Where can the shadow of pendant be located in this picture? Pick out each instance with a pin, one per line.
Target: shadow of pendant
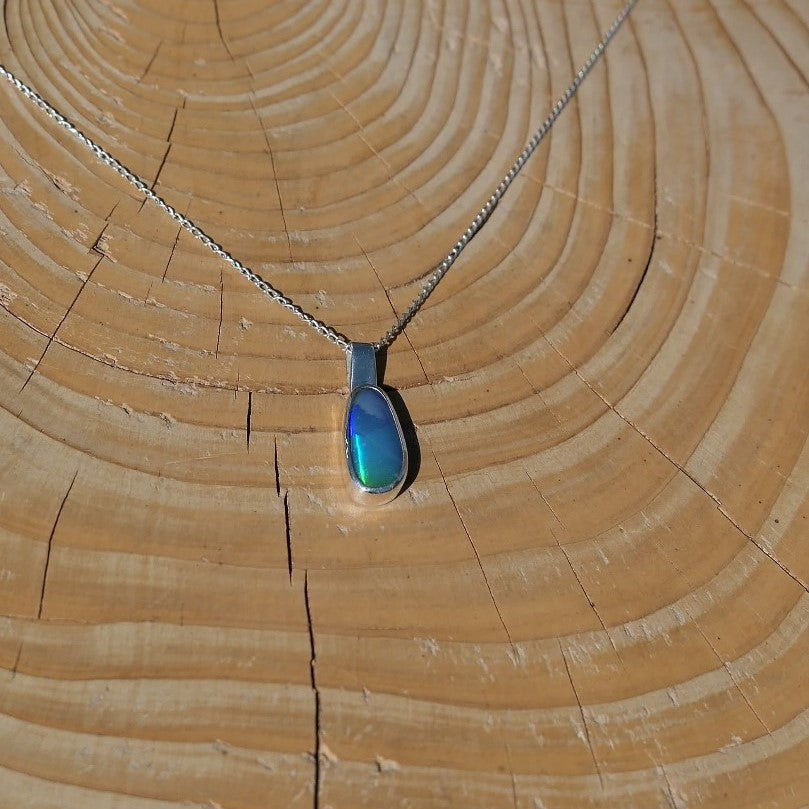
(379, 438)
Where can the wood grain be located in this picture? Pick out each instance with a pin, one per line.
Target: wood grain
(594, 591)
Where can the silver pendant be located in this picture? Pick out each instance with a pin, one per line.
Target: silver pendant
(375, 449)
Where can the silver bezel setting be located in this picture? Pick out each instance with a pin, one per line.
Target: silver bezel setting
(361, 362)
(363, 494)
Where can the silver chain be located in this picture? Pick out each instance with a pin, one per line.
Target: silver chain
(486, 211)
(438, 272)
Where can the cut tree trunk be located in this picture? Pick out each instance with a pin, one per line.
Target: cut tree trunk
(592, 591)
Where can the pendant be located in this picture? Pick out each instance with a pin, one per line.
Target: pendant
(375, 449)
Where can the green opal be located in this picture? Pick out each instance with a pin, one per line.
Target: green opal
(374, 444)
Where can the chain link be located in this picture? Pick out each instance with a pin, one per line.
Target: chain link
(105, 157)
(486, 211)
(268, 289)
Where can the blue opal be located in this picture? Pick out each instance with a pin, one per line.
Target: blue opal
(376, 452)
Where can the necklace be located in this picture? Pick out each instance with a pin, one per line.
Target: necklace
(375, 448)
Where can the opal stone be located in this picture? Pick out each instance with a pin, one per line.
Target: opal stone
(373, 440)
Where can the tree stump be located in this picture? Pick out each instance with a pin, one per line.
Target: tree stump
(592, 592)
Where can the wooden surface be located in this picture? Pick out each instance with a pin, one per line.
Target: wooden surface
(593, 594)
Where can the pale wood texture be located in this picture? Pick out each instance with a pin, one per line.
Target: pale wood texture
(593, 594)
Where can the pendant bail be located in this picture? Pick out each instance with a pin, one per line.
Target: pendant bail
(361, 364)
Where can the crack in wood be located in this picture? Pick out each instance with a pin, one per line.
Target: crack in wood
(668, 792)
(581, 712)
(168, 141)
(675, 237)
(160, 167)
(151, 61)
(288, 531)
(766, 553)
(221, 310)
(392, 176)
(249, 416)
(201, 383)
(722, 510)
(378, 279)
(162, 164)
(393, 309)
(174, 122)
(573, 569)
(95, 246)
(15, 667)
(50, 545)
(219, 29)
(275, 464)
(652, 246)
(724, 665)
(104, 361)
(52, 337)
(315, 689)
(171, 255)
(479, 561)
(275, 178)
